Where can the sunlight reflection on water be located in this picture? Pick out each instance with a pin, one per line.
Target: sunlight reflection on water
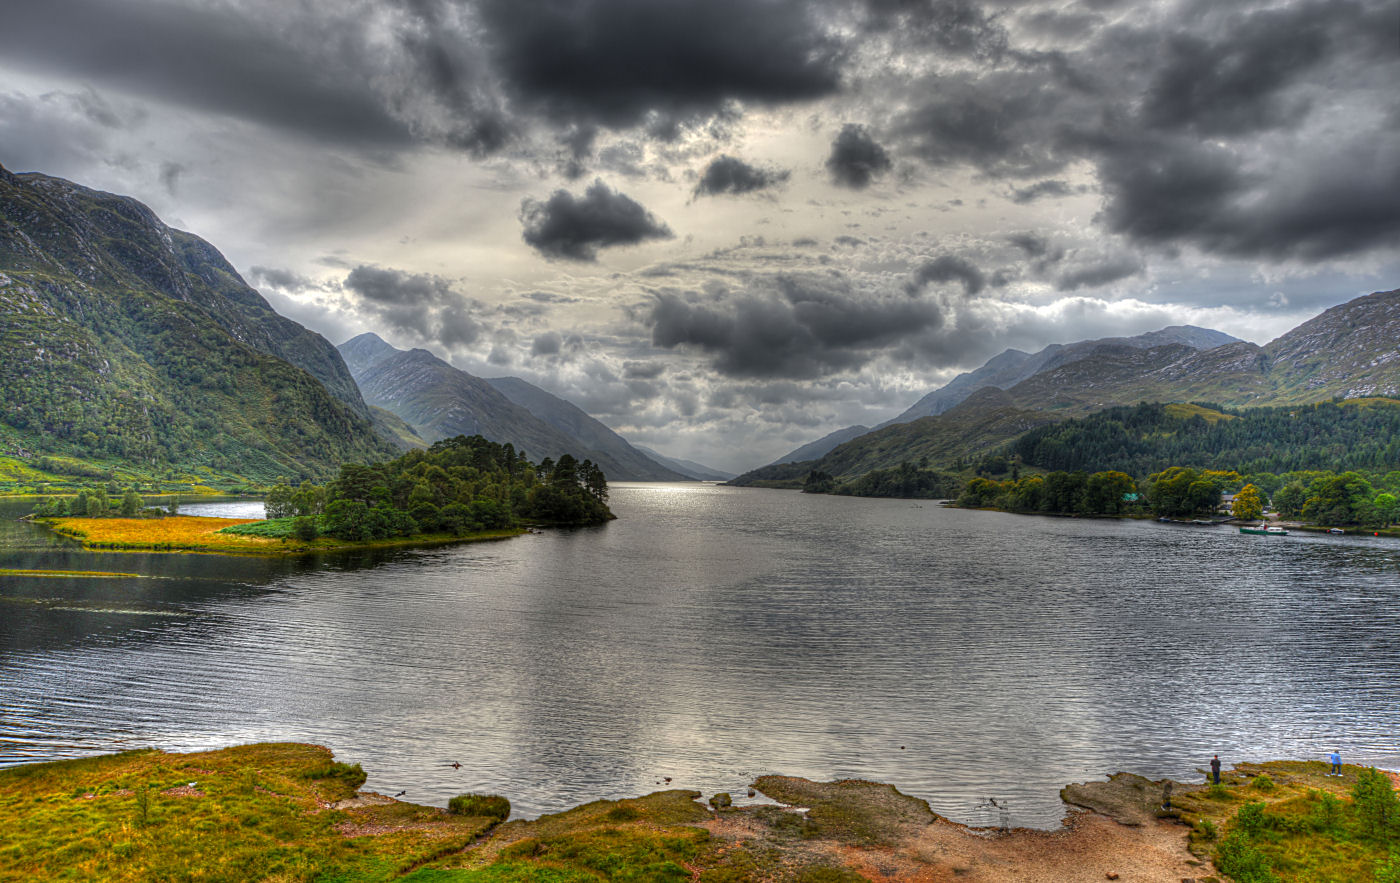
(715, 634)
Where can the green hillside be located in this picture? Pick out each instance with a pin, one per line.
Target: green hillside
(129, 344)
(1360, 434)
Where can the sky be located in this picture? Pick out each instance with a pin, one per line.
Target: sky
(728, 227)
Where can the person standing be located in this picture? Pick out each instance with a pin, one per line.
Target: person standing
(1215, 769)
(1336, 759)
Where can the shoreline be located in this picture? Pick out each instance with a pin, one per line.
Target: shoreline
(131, 815)
(196, 534)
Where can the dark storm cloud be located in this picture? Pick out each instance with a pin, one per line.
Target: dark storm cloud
(1033, 245)
(1177, 192)
(566, 226)
(789, 327)
(201, 58)
(725, 174)
(856, 158)
(956, 27)
(948, 268)
(642, 370)
(1220, 133)
(419, 303)
(1236, 78)
(623, 63)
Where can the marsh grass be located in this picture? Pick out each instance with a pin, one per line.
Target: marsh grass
(227, 536)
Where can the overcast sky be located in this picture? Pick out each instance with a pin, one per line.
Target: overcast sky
(728, 227)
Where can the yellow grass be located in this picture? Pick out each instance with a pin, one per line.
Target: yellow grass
(69, 574)
(177, 532)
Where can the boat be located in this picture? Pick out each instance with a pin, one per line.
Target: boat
(1335, 530)
(1267, 531)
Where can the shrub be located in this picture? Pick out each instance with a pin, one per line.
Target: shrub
(491, 806)
(1217, 792)
(305, 528)
(1264, 783)
(1326, 814)
(1251, 819)
(1376, 802)
(1243, 861)
(1207, 829)
(722, 800)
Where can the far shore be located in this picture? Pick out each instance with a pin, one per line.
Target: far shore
(200, 535)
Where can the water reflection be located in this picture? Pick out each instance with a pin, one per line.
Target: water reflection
(712, 635)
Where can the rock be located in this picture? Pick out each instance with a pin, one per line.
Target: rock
(1112, 875)
(721, 800)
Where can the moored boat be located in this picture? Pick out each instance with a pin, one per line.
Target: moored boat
(1263, 530)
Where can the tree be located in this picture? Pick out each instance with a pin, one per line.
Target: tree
(1387, 508)
(1249, 503)
(1289, 499)
(131, 502)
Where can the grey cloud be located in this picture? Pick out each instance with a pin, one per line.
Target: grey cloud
(856, 159)
(206, 59)
(1235, 78)
(642, 370)
(1033, 245)
(547, 344)
(277, 277)
(949, 268)
(1040, 189)
(789, 326)
(418, 303)
(725, 174)
(957, 27)
(624, 63)
(1111, 270)
(566, 226)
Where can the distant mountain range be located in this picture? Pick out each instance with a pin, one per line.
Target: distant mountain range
(1007, 369)
(697, 471)
(126, 341)
(1349, 351)
(439, 401)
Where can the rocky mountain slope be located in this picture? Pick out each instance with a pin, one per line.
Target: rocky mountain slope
(123, 339)
(1013, 366)
(818, 448)
(1349, 351)
(440, 401)
(574, 422)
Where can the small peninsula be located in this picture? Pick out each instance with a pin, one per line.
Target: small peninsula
(292, 812)
(461, 489)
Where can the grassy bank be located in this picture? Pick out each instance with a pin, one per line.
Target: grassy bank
(189, 533)
(289, 812)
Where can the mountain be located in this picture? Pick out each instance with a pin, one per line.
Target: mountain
(440, 401)
(574, 422)
(689, 468)
(815, 450)
(1348, 351)
(1013, 366)
(125, 340)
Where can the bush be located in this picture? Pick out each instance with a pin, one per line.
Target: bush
(305, 528)
(1264, 783)
(491, 806)
(1251, 819)
(1243, 861)
(1326, 813)
(1376, 802)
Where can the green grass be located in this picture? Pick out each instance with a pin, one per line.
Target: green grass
(1287, 821)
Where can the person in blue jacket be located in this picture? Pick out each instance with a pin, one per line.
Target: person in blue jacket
(1336, 759)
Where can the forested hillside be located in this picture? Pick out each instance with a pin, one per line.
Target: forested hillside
(1361, 434)
(122, 340)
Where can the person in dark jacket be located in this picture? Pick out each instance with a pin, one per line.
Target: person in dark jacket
(1215, 769)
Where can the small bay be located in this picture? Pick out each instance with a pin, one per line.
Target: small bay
(715, 634)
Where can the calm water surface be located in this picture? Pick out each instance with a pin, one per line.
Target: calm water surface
(714, 634)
